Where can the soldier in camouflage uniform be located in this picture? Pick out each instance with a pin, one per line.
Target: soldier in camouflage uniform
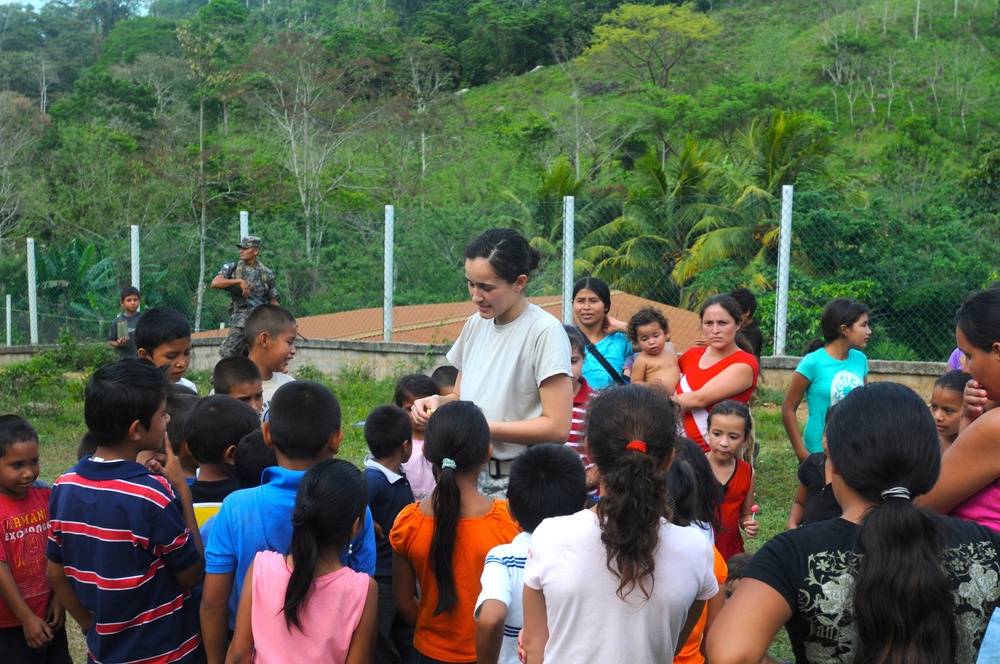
(251, 284)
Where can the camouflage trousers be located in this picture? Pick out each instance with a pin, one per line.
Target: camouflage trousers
(494, 487)
(235, 343)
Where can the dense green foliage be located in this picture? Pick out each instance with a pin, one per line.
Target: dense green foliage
(465, 115)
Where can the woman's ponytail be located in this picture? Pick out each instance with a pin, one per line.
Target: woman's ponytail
(884, 445)
(630, 435)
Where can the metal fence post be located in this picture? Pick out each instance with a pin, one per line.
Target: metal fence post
(784, 263)
(387, 273)
(135, 257)
(32, 293)
(244, 224)
(8, 319)
(568, 246)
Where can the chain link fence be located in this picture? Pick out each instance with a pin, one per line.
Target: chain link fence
(673, 253)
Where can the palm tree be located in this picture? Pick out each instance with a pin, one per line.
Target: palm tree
(636, 251)
(772, 152)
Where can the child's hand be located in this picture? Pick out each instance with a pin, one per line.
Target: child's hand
(56, 614)
(379, 535)
(791, 525)
(522, 656)
(167, 465)
(37, 632)
(974, 400)
(751, 527)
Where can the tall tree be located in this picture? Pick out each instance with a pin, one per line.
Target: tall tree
(646, 42)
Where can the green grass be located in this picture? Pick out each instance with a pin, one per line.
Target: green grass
(53, 403)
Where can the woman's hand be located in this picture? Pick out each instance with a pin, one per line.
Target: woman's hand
(422, 409)
(974, 400)
(751, 527)
(612, 325)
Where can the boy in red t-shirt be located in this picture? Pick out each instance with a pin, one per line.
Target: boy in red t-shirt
(31, 618)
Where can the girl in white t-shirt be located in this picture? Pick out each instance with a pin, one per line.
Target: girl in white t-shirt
(622, 560)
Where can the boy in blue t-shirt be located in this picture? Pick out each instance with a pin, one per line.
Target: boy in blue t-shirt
(389, 433)
(124, 550)
(304, 428)
(125, 322)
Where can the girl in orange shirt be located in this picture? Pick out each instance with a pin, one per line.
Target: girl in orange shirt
(729, 429)
(443, 542)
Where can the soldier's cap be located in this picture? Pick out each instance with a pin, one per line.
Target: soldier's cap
(249, 242)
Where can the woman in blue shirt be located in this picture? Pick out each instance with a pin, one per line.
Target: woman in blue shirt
(591, 304)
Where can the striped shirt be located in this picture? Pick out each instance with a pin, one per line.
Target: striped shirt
(578, 428)
(119, 533)
(501, 581)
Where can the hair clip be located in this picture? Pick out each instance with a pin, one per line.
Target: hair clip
(637, 445)
(896, 492)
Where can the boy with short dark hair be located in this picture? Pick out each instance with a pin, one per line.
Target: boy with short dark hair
(163, 337)
(238, 377)
(124, 549)
(445, 377)
(304, 428)
(253, 457)
(546, 481)
(179, 404)
(271, 332)
(388, 432)
(31, 618)
(213, 430)
(122, 335)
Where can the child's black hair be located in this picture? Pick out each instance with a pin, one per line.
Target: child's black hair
(746, 299)
(695, 496)
(121, 393)
(386, 429)
(15, 429)
(576, 340)
(954, 380)
(839, 312)
(458, 433)
(232, 371)
(646, 316)
(271, 318)
(737, 564)
(159, 326)
(179, 404)
(737, 409)
(332, 497)
(215, 424)
(413, 386)
(252, 457)
(302, 418)
(126, 291)
(87, 446)
(546, 481)
(444, 376)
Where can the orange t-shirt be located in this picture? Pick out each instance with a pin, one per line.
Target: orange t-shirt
(691, 652)
(450, 637)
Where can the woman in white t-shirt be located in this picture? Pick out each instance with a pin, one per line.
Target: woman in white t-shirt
(513, 358)
(618, 582)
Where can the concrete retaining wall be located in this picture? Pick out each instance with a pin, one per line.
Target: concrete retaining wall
(386, 360)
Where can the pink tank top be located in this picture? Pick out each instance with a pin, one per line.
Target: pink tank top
(982, 507)
(329, 617)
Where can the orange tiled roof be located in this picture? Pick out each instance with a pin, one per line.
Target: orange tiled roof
(441, 323)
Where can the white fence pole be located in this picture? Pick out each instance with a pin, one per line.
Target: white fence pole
(8, 320)
(387, 272)
(568, 244)
(135, 258)
(784, 262)
(244, 224)
(32, 293)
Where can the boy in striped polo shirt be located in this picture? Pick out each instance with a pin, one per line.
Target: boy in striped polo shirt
(124, 550)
